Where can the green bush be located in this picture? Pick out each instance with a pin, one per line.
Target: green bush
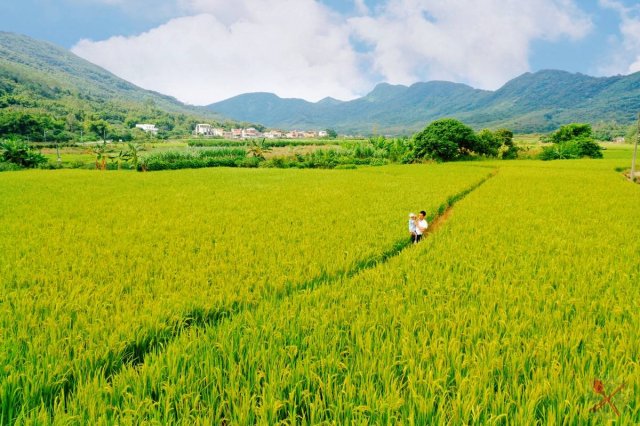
(9, 167)
(223, 152)
(563, 151)
(174, 160)
(572, 131)
(20, 154)
(589, 148)
(570, 142)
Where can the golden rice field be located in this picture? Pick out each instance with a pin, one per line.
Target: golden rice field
(241, 296)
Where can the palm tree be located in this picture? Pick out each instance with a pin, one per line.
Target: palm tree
(101, 152)
(134, 150)
(258, 149)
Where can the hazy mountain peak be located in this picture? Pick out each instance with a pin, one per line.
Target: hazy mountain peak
(329, 101)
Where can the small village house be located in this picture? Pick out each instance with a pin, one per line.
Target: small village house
(148, 128)
(273, 134)
(250, 133)
(203, 129)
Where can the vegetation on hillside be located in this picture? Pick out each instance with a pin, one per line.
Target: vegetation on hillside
(532, 103)
(49, 94)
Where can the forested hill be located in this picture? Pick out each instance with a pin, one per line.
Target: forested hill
(43, 86)
(533, 102)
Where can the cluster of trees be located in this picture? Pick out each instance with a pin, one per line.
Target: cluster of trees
(609, 130)
(16, 155)
(35, 125)
(571, 141)
(31, 110)
(448, 139)
(72, 100)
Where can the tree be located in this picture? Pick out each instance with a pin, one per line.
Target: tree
(102, 153)
(574, 140)
(132, 153)
(445, 140)
(572, 131)
(257, 149)
(100, 128)
(331, 134)
(21, 154)
(507, 147)
(488, 142)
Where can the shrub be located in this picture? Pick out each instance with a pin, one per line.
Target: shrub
(589, 148)
(9, 167)
(572, 131)
(21, 154)
(173, 160)
(563, 151)
(572, 141)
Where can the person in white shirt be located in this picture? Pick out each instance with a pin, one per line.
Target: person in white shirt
(421, 225)
(412, 227)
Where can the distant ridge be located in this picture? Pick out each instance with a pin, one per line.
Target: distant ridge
(38, 77)
(533, 102)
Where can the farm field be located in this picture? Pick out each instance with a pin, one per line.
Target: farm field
(254, 296)
(81, 155)
(97, 268)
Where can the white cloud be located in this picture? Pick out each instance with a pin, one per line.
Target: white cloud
(481, 42)
(300, 48)
(296, 48)
(625, 57)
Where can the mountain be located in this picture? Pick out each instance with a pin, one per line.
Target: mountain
(48, 86)
(533, 102)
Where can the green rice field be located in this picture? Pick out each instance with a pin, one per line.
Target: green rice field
(285, 296)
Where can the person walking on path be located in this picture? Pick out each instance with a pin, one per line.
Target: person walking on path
(421, 225)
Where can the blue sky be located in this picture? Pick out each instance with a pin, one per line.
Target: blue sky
(339, 48)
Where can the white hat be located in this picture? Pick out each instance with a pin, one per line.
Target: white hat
(412, 215)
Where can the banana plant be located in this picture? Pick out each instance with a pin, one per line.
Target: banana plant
(258, 149)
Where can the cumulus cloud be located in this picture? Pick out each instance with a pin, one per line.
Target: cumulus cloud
(481, 42)
(301, 48)
(625, 58)
(296, 48)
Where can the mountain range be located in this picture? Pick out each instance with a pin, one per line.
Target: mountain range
(533, 102)
(41, 82)
(37, 77)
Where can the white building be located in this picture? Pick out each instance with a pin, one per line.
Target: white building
(273, 134)
(250, 133)
(294, 134)
(203, 129)
(149, 128)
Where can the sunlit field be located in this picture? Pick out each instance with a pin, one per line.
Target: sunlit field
(235, 296)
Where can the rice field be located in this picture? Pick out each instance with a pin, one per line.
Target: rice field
(241, 296)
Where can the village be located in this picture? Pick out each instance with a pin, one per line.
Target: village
(206, 130)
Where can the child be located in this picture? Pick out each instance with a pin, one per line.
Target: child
(413, 228)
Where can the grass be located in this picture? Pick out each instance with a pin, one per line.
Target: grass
(505, 315)
(118, 263)
(269, 296)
